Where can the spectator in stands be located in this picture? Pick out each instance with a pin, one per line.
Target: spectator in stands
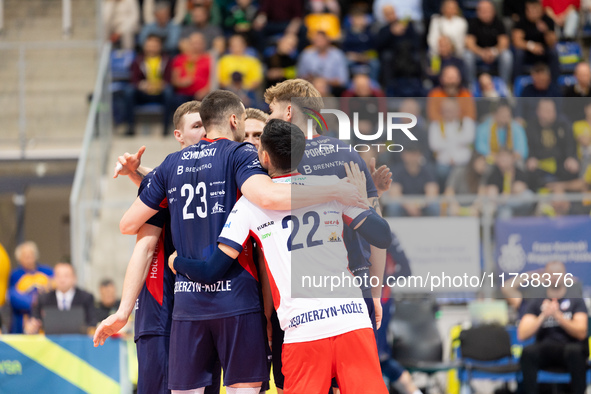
(325, 6)
(359, 45)
(489, 90)
(407, 10)
(191, 71)
(542, 86)
(413, 177)
(241, 17)
(150, 83)
(506, 179)
(565, 14)
(400, 61)
(451, 138)
(253, 127)
(559, 324)
(501, 131)
(326, 61)
(177, 8)
(450, 86)
(278, 18)
(26, 283)
(582, 88)
(514, 9)
(237, 61)
(200, 23)
(162, 27)
(121, 19)
(321, 84)
(534, 40)
(420, 130)
(552, 159)
(281, 65)
(463, 180)
(582, 134)
(449, 24)
(572, 107)
(487, 44)
(108, 300)
(446, 57)
(362, 87)
(65, 296)
(586, 12)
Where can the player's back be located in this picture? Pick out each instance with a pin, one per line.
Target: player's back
(306, 242)
(201, 184)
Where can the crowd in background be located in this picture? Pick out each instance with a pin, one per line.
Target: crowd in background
(39, 295)
(486, 67)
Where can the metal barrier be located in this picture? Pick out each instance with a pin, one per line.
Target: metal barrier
(86, 190)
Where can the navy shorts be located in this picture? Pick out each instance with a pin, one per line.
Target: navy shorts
(152, 357)
(238, 341)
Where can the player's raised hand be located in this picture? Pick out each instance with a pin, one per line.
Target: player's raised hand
(110, 326)
(128, 163)
(356, 177)
(348, 194)
(382, 177)
(171, 262)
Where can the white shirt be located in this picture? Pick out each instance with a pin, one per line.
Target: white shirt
(453, 144)
(64, 300)
(454, 28)
(305, 241)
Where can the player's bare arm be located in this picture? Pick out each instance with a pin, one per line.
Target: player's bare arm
(135, 217)
(262, 191)
(135, 276)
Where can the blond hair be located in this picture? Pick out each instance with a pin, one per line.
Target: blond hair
(295, 88)
(190, 107)
(256, 114)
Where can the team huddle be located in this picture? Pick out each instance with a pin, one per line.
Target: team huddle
(223, 227)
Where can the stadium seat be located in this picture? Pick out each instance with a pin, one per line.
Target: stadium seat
(566, 80)
(520, 83)
(416, 343)
(500, 86)
(120, 61)
(569, 54)
(486, 353)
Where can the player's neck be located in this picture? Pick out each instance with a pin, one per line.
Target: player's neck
(280, 174)
(214, 134)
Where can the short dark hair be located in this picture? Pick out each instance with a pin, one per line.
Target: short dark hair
(540, 68)
(154, 36)
(284, 142)
(107, 282)
(217, 106)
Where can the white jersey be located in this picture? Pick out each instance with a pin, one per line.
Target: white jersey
(308, 239)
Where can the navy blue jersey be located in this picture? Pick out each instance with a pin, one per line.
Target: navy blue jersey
(153, 308)
(327, 156)
(201, 184)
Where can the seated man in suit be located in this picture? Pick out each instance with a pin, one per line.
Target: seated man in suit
(559, 324)
(65, 296)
